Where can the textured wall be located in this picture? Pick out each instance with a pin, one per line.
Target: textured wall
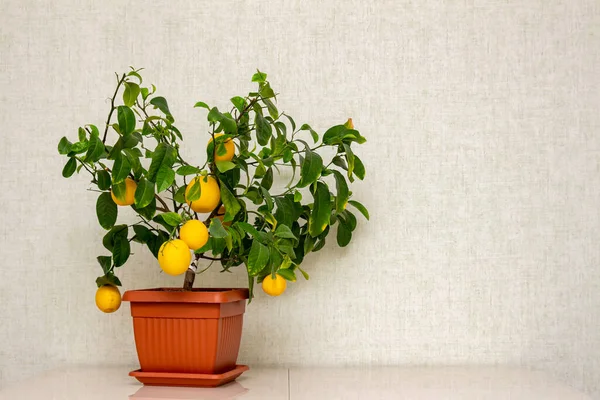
(482, 166)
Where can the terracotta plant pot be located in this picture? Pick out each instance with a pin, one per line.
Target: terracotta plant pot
(187, 338)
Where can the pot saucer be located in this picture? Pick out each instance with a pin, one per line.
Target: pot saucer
(187, 379)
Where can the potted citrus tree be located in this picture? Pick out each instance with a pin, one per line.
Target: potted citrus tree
(221, 208)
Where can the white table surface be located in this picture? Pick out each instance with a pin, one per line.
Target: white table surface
(415, 383)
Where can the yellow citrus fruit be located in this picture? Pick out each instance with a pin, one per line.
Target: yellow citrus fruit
(130, 187)
(108, 298)
(174, 257)
(210, 194)
(221, 215)
(194, 234)
(229, 147)
(274, 287)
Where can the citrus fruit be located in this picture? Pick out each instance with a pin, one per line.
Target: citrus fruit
(274, 287)
(174, 257)
(194, 234)
(221, 215)
(129, 198)
(210, 194)
(229, 149)
(108, 298)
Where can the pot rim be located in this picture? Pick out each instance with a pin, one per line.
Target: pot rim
(177, 295)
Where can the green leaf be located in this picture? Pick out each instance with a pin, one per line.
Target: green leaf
(359, 168)
(161, 104)
(315, 135)
(95, 149)
(297, 196)
(319, 245)
(202, 104)
(264, 131)
(343, 194)
(321, 212)
(105, 262)
(268, 198)
(82, 134)
(103, 180)
(259, 77)
(187, 170)
(121, 168)
(142, 234)
(311, 168)
(363, 210)
(304, 274)
(283, 231)
(171, 218)
(121, 250)
(126, 119)
(258, 258)
(69, 168)
(349, 159)
(271, 108)
(224, 166)
(292, 122)
(145, 93)
(287, 274)
(78, 147)
(206, 248)
(156, 242)
(130, 94)
(231, 203)
(164, 156)
(239, 103)
(106, 210)
(64, 146)
(344, 235)
(216, 228)
(267, 180)
(108, 240)
(349, 219)
(180, 195)
(246, 227)
(108, 279)
(266, 91)
(164, 178)
(148, 211)
(120, 190)
(195, 190)
(144, 193)
(339, 161)
(309, 243)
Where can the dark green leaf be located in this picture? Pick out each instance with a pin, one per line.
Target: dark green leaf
(334, 135)
(349, 219)
(309, 243)
(238, 102)
(180, 195)
(142, 234)
(359, 168)
(108, 279)
(344, 235)
(103, 180)
(126, 119)
(78, 147)
(148, 211)
(264, 130)
(310, 169)
(319, 217)
(202, 104)
(363, 210)
(121, 168)
(108, 240)
(287, 274)
(315, 135)
(232, 205)
(105, 262)
(246, 227)
(271, 108)
(349, 159)
(292, 122)
(206, 248)
(319, 245)
(161, 104)
(130, 94)
(106, 210)
(343, 193)
(120, 190)
(164, 178)
(144, 193)
(339, 161)
(94, 151)
(267, 180)
(268, 198)
(171, 218)
(156, 242)
(216, 228)
(64, 146)
(164, 156)
(121, 250)
(283, 231)
(69, 168)
(188, 170)
(258, 258)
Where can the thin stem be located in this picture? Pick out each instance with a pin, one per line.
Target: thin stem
(165, 206)
(112, 108)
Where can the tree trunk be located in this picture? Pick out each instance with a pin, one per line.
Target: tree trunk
(188, 282)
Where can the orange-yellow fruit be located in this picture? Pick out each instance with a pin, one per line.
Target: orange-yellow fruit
(229, 147)
(108, 298)
(194, 234)
(221, 215)
(210, 194)
(274, 287)
(130, 187)
(174, 257)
